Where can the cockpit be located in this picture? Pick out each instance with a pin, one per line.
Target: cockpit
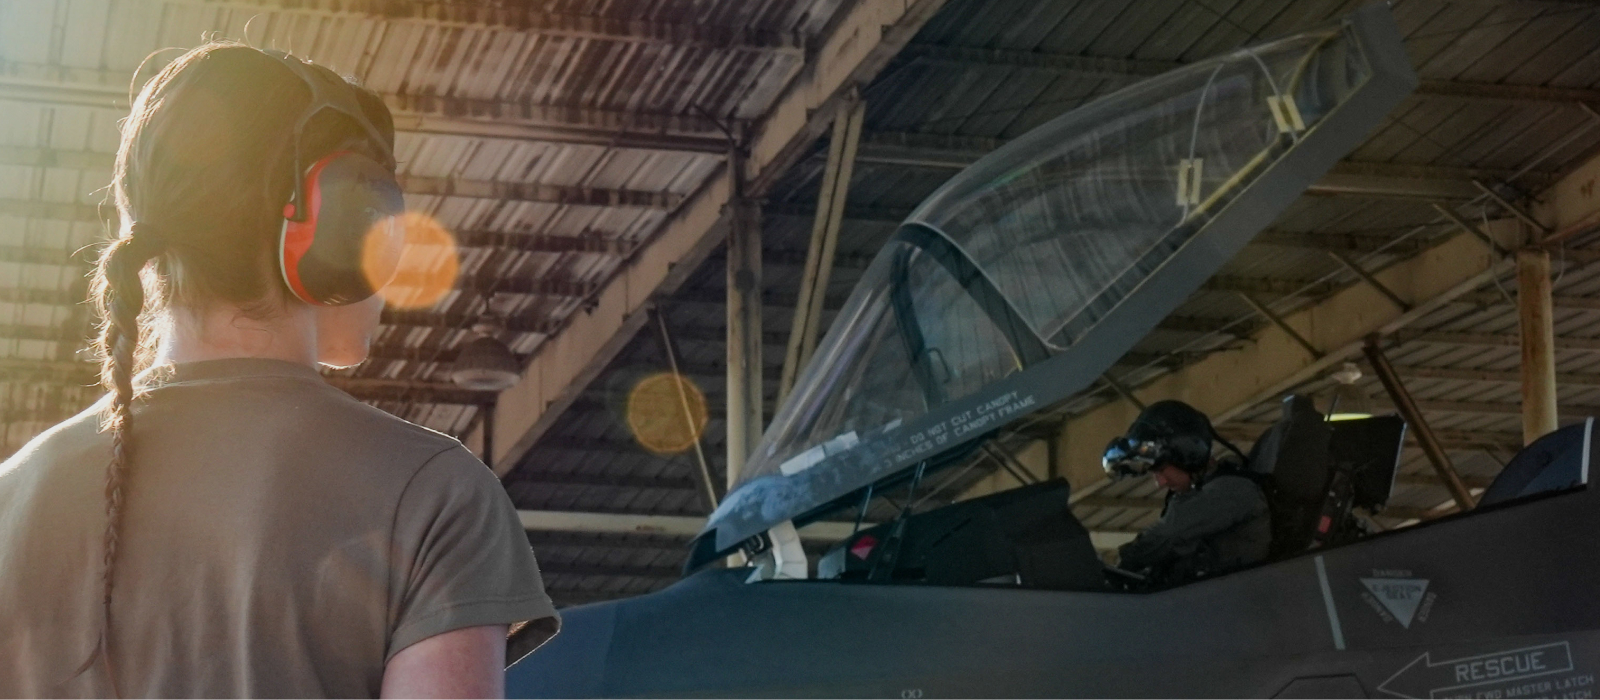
(1321, 477)
(1022, 280)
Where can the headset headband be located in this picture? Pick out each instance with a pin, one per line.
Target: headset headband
(325, 95)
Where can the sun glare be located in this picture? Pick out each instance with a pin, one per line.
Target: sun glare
(424, 269)
(657, 414)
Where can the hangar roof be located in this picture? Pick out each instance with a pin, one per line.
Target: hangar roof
(566, 148)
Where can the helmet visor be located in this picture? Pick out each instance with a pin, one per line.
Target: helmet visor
(1126, 457)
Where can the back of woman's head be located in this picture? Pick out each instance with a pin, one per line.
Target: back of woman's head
(204, 170)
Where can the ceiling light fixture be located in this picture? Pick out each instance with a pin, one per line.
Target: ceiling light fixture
(486, 363)
(1347, 401)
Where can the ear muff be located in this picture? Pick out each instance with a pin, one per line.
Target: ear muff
(341, 242)
(341, 238)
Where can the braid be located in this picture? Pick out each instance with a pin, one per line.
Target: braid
(120, 298)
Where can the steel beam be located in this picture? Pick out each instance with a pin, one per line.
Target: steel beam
(1506, 340)
(489, 283)
(835, 191)
(545, 477)
(1091, 66)
(1203, 324)
(409, 391)
(860, 42)
(854, 213)
(1462, 224)
(776, 301)
(1417, 423)
(934, 151)
(536, 192)
(1361, 272)
(412, 184)
(1497, 92)
(1353, 178)
(530, 19)
(1495, 298)
(538, 243)
(1352, 243)
(1501, 408)
(1499, 376)
(416, 113)
(579, 126)
(1267, 285)
(1245, 434)
(1375, 186)
(461, 321)
(1107, 67)
(791, 257)
(1282, 325)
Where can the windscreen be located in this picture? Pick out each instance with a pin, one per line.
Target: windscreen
(1050, 239)
(1021, 258)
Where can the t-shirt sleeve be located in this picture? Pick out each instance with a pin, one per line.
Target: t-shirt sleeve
(462, 559)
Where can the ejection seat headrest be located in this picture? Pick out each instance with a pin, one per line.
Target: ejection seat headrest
(1294, 451)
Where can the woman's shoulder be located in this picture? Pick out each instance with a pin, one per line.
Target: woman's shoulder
(64, 441)
(304, 418)
(335, 411)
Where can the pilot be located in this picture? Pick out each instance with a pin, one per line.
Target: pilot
(1215, 519)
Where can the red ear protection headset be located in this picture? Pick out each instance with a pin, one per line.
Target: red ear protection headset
(341, 235)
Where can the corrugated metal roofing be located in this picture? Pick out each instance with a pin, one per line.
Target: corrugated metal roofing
(977, 70)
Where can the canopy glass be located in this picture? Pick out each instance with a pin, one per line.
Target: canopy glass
(1026, 275)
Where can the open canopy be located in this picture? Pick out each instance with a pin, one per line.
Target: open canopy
(1028, 274)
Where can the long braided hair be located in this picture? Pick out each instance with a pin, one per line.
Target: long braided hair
(202, 172)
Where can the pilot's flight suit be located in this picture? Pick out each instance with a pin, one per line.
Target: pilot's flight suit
(1219, 525)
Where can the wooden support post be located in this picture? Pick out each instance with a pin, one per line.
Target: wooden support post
(744, 322)
(1534, 316)
(1418, 425)
(836, 176)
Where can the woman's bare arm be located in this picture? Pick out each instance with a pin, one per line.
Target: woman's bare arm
(463, 663)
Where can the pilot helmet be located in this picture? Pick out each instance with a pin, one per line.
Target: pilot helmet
(1166, 432)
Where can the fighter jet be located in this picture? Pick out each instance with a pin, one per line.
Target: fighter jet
(1013, 287)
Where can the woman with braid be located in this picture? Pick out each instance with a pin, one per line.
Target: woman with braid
(224, 523)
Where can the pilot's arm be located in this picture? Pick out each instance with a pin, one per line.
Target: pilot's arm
(1222, 503)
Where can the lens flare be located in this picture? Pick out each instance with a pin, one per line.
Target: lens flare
(657, 417)
(381, 249)
(419, 272)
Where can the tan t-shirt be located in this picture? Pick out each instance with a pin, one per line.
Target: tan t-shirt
(279, 539)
